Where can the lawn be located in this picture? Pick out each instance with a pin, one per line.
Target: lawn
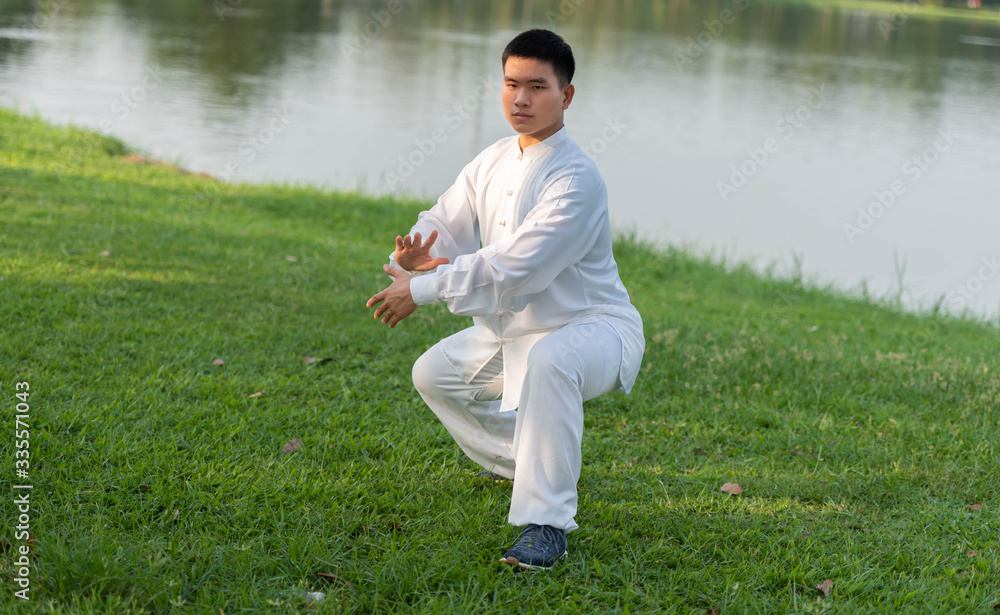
(177, 334)
(896, 12)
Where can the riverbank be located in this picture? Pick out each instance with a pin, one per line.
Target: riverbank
(904, 10)
(179, 335)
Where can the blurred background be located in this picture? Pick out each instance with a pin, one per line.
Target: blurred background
(857, 143)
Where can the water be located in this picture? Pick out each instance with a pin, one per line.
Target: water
(773, 133)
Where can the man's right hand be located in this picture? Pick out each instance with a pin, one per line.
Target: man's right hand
(416, 256)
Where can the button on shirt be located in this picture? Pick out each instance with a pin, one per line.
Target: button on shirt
(528, 240)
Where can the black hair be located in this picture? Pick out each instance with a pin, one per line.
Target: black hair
(543, 45)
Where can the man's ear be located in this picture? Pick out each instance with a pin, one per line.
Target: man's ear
(568, 91)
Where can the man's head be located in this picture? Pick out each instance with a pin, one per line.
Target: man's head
(546, 46)
(538, 70)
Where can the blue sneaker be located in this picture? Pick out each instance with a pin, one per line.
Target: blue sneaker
(537, 546)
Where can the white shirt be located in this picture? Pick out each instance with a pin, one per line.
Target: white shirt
(541, 217)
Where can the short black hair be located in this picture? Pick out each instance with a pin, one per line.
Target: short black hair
(543, 45)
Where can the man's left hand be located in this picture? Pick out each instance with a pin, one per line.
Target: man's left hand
(397, 302)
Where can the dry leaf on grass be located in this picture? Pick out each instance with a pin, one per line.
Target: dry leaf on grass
(688, 470)
(713, 611)
(138, 158)
(732, 489)
(291, 446)
(825, 587)
(257, 394)
(177, 513)
(976, 507)
(329, 576)
(218, 362)
(310, 360)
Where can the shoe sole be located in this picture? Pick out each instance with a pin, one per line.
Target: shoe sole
(514, 563)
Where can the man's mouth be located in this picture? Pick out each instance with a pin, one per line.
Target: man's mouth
(521, 115)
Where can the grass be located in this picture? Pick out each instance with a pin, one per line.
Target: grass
(901, 9)
(862, 435)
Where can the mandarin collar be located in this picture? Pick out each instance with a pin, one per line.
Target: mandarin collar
(542, 147)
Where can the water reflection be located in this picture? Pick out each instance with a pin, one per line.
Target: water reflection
(696, 88)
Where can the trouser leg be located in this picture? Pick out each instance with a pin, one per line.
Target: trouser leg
(470, 411)
(565, 368)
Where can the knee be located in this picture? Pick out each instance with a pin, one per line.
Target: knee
(425, 372)
(548, 359)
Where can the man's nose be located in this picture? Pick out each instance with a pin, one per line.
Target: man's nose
(522, 99)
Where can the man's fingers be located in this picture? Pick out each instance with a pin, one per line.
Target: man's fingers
(375, 300)
(431, 239)
(407, 241)
(431, 264)
(399, 242)
(380, 310)
(416, 241)
(392, 272)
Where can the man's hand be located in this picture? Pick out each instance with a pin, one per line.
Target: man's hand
(410, 254)
(397, 302)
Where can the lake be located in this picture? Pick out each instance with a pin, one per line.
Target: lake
(856, 147)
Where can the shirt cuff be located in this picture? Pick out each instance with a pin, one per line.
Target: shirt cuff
(423, 289)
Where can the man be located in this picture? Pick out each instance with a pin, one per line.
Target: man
(552, 322)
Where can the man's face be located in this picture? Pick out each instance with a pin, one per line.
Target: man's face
(532, 99)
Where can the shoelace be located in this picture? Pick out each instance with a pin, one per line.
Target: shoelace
(542, 538)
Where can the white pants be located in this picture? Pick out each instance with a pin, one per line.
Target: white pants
(539, 444)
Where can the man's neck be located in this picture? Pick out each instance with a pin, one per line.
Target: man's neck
(525, 141)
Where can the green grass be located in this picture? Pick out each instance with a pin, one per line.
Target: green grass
(900, 8)
(861, 435)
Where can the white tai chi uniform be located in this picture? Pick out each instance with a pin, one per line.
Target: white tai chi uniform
(552, 322)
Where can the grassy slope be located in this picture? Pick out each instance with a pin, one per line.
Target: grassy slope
(898, 9)
(861, 435)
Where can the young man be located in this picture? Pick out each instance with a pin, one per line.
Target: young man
(552, 322)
